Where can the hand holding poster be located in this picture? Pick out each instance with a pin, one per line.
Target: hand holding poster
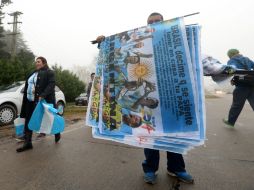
(148, 90)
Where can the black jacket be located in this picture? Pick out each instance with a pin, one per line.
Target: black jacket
(44, 88)
(89, 89)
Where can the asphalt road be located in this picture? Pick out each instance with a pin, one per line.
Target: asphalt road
(80, 162)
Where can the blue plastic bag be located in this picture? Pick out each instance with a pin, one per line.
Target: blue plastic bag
(19, 125)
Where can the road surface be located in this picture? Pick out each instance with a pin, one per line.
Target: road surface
(80, 162)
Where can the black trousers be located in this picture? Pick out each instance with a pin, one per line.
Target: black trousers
(240, 95)
(175, 161)
(30, 106)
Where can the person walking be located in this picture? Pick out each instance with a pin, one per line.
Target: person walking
(40, 85)
(244, 86)
(175, 163)
(88, 91)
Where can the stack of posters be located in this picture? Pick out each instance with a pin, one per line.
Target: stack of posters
(148, 89)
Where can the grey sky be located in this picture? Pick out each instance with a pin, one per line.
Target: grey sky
(61, 30)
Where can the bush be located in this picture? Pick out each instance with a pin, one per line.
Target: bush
(69, 83)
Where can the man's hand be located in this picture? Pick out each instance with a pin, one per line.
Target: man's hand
(41, 98)
(232, 82)
(100, 39)
(229, 70)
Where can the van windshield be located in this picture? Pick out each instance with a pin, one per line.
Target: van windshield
(11, 88)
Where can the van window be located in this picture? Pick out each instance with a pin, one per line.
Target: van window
(57, 89)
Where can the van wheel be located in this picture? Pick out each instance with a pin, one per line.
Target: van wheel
(7, 114)
(60, 108)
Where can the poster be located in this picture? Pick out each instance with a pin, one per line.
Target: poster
(148, 89)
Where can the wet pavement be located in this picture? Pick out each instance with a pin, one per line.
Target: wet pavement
(80, 162)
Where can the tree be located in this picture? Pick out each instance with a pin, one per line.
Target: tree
(21, 43)
(6, 2)
(26, 59)
(3, 54)
(17, 69)
(68, 82)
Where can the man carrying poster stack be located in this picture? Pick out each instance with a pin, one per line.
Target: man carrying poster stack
(175, 163)
(244, 86)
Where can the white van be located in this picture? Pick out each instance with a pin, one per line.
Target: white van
(11, 100)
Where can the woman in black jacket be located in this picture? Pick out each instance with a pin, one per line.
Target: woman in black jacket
(39, 85)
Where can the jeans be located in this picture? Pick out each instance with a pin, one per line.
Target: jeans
(240, 95)
(175, 161)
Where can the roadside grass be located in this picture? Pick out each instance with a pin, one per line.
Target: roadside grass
(71, 111)
(211, 96)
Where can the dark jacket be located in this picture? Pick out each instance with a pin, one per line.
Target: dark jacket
(243, 63)
(44, 88)
(89, 89)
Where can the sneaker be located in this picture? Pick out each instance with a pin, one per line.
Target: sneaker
(182, 176)
(228, 125)
(150, 178)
